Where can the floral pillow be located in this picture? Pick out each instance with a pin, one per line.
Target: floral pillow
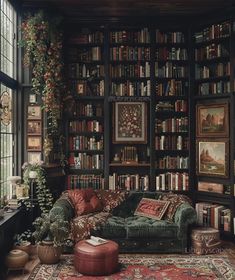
(175, 201)
(111, 198)
(85, 201)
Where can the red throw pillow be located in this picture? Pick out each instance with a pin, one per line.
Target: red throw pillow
(85, 201)
(151, 208)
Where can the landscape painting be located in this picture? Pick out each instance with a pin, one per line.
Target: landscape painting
(212, 120)
(212, 158)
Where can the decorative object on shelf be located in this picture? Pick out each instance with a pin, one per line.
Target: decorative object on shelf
(16, 259)
(47, 148)
(210, 187)
(130, 122)
(44, 52)
(212, 120)
(51, 232)
(44, 196)
(32, 98)
(212, 157)
(13, 181)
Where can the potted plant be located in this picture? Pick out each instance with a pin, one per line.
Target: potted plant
(51, 233)
(34, 172)
(23, 241)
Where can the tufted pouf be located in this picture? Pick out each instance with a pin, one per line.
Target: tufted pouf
(96, 260)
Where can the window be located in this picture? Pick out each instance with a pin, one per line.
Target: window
(7, 94)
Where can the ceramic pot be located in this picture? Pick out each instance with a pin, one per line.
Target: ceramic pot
(16, 259)
(24, 246)
(32, 174)
(47, 253)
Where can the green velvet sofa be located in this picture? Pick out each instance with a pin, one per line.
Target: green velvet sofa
(140, 234)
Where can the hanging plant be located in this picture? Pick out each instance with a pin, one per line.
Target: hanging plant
(42, 42)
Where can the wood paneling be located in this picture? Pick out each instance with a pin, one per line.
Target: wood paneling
(107, 8)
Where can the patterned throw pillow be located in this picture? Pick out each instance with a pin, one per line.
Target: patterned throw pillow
(85, 201)
(175, 201)
(111, 198)
(151, 208)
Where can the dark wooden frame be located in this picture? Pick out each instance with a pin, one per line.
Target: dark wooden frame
(226, 158)
(37, 117)
(143, 139)
(200, 107)
(40, 127)
(38, 148)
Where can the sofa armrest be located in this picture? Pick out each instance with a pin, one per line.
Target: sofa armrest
(64, 207)
(184, 216)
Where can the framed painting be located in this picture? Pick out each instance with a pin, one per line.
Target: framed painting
(34, 112)
(81, 88)
(212, 120)
(34, 127)
(130, 122)
(34, 143)
(213, 158)
(34, 157)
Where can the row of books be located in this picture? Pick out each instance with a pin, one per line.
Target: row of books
(86, 143)
(85, 55)
(129, 182)
(86, 88)
(82, 70)
(86, 161)
(211, 51)
(88, 110)
(131, 88)
(215, 31)
(171, 142)
(129, 153)
(124, 36)
(172, 125)
(87, 38)
(214, 88)
(214, 70)
(170, 70)
(85, 126)
(85, 181)
(167, 106)
(169, 162)
(128, 53)
(171, 54)
(172, 88)
(169, 37)
(213, 215)
(130, 71)
(172, 181)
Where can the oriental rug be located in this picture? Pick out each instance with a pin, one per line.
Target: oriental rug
(147, 267)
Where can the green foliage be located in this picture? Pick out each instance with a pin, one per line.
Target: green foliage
(51, 227)
(44, 196)
(22, 237)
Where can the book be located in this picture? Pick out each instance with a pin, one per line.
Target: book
(95, 241)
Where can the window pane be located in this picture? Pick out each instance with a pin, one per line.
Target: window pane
(7, 38)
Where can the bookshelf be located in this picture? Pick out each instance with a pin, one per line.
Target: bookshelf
(213, 86)
(86, 80)
(171, 141)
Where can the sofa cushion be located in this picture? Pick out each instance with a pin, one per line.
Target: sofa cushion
(114, 228)
(152, 208)
(85, 201)
(142, 227)
(175, 201)
(128, 206)
(111, 198)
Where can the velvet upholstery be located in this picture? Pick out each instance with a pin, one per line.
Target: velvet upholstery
(135, 233)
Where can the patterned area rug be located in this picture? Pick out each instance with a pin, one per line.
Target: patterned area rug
(147, 267)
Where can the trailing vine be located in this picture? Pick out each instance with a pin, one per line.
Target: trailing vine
(42, 42)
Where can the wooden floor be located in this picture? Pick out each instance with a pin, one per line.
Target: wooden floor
(228, 249)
